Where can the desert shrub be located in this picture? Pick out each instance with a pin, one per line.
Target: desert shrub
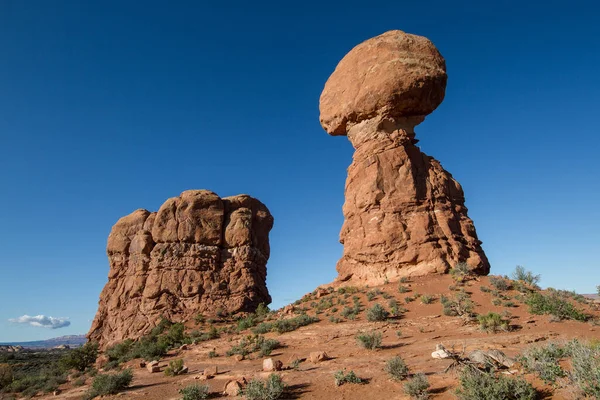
(149, 348)
(120, 352)
(396, 368)
(79, 381)
(460, 271)
(80, 358)
(492, 322)
(340, 378)
(403, 289)
(175, 367)
(254, 343)
(478, 385)
(262, 310)
(417, 387)
(522, 275)
(371, 340)
(194, 392)
(6, 375)
(459, 305)
(246, 322)
(585, 367)
(409, 299)
(484, 289)
(291, 324)
(348, 290)
(543, 361)
(105, 384)
(427, 299)
(598, 290)
(377, 313)
(553, 304)
(199, 319)
(500, 283)
(271, 389)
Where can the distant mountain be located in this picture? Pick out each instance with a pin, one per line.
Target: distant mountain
(69, 340)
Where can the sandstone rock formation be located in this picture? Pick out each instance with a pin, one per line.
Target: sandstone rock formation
(404, 214)
(198, 254)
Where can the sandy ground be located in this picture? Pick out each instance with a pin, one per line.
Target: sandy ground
(421, 328)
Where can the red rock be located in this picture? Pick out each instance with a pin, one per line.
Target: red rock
(270, 365)
(404, 214)
(318, 356)
(211, 371)
(198, 254)
(233, 387)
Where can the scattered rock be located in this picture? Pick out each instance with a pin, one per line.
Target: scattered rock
(211, 371)
(318, 356)
(404, 214)
(270, 365)
(57, 392)
(440, 352)
(233, 387)
(153, 366)
(238, 357)
(183, 347)
(198, 254)
(142, 364)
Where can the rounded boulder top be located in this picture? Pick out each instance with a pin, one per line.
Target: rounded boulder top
(395, 74)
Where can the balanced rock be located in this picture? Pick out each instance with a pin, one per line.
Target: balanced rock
(198, 254)
(404, 214)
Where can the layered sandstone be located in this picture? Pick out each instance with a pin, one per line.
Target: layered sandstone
(198, 254)
(404, 214)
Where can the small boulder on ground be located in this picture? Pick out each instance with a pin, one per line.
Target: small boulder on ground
(270, 365)
(233, 387)
(318, 356)
(211, 371)
(440, 352)
(152, 366)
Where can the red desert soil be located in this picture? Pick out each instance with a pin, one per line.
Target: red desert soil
(422, 327)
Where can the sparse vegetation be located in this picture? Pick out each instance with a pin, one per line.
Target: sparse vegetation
(105, 384)
(478, 385)
(585, 367)
(396, 368)
(194, 392)
(554, 305)
(523, 276)
(403, 289)
(80, 358)
(377, 313)
(492, 323)
(460, 272)
(341, 378)
(254, 343)
(460, 305)
(544, 361)
(6, 375)
(175, 367)
(271, 389)
(417, 387)
(285, 325)
(427, 299)
(370, 340)
(500, 283)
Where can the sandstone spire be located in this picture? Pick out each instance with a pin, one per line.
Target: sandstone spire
(404, 214)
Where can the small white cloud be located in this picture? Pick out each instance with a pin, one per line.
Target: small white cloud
(42, 321)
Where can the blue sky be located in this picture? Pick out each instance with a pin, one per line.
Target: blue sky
(106, 107)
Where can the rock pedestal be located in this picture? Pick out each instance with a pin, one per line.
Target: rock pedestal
(404, 214)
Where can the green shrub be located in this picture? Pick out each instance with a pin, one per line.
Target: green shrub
(484, 289)
(271, 389)
(478, 385)
(553, 304)
(544, 361)
(6, 375)
(120, 352)
(500, 283)
(254, 343)
(340, 378)
(105, 384)
(460, 271)
(199, 319)
(492, 322)
(262, 310)
(80, 358)
(526, 277)
(585, 367)
(598, 290)
(246, 323)
(427, 299)
(417, 387)
(371, 340)
(396, 368)
(403, 289)
(194, 392)
(377, 313)
(175, 367)
(460, 305)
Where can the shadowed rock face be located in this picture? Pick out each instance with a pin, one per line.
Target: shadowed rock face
(198, 254)
(404, 214)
